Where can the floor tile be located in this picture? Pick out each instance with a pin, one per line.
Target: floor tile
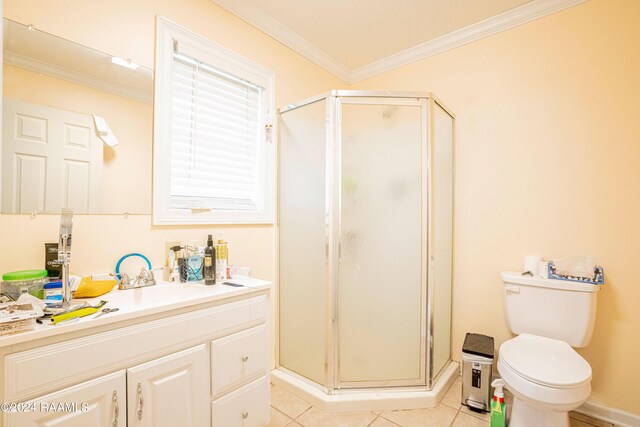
(452, 397)
(316, 418)
(294, 424)
(441, 415)
(278, 419)
(287, 403)
(382, 422)
(464, 420)
(587, 419)
(485, 416)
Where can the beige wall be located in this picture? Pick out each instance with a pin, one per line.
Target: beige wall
(546, 158)
(126, 29)
(126, 175)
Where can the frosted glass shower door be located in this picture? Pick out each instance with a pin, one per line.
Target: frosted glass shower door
(381, 291)
(302, 240)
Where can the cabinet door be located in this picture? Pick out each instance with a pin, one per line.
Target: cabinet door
(170, 391)
(97, 403)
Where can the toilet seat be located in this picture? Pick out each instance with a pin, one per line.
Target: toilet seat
(545, 361)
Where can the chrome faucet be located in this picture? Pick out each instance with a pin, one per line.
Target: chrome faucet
(145, 278)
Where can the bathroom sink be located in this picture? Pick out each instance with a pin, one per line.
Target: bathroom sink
(160, 294)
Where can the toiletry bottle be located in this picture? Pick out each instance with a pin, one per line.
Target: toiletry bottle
(209, 263)
(498, 407)
(183, 268)
(195, 263)
(222, 259)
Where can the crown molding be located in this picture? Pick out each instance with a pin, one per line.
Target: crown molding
(504, 21)
(75, 77)
(274, 28)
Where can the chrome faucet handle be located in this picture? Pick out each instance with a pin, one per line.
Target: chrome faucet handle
(151, 278)
(124, 280)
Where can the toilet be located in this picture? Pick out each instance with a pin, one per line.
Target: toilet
(539, 366)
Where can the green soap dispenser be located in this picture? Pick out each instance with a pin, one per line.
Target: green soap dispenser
(498, 407)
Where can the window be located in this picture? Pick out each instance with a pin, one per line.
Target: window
(213, 150)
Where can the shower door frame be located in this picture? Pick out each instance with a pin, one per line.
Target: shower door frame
(334, 101)
(334, 180)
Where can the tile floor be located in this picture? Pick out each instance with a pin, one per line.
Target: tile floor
(288, 410)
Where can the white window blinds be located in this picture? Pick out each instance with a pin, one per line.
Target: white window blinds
(216, 138)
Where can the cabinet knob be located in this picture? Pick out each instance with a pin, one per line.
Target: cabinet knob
(245, 415)
(245, 359)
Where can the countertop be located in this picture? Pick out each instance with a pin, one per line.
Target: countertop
(135, 303)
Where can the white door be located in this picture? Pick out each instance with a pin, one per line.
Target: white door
(170, 391)
(97, 403)
(51, 158)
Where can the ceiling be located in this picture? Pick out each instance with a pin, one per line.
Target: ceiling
(358, 38)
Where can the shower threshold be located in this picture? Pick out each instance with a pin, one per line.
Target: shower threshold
(371, 399)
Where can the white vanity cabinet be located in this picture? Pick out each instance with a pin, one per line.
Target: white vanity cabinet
(196, 366)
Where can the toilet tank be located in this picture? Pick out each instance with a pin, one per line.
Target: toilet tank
(550, 308)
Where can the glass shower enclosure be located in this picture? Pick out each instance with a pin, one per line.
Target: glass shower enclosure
(365, 225)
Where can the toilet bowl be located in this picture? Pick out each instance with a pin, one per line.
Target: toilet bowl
(547, 378)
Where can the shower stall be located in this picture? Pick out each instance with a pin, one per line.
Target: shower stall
(365, 227)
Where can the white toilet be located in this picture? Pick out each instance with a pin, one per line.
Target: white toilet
(539, 366)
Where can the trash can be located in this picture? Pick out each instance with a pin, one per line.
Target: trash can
(477, 363)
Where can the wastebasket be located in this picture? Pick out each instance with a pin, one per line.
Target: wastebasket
(477, 363)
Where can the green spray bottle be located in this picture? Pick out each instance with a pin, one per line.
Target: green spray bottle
(498, 407)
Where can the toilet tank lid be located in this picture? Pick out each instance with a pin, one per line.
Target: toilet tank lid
(513, 277)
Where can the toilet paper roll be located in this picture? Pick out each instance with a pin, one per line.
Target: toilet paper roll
(531, 264)
(543, 269)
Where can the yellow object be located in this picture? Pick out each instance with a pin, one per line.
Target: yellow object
(93, 288)
(87, 311)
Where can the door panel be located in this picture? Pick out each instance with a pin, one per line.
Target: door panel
(97, 403)
(51, 158)
(170, 391)
(381, 299)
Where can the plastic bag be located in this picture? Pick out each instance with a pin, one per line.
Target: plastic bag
(578, 265)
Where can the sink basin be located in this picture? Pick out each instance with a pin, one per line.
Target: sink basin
(161, 293)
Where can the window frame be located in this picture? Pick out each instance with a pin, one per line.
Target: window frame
(230, 62)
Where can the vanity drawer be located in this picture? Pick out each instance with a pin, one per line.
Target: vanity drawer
(238, 359)
(29, 373)
(245, 407)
